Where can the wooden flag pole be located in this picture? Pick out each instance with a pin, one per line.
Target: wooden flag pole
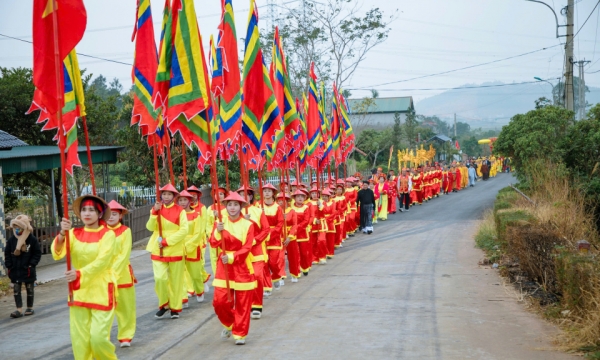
(184, 162)
(157, 190)
(89, 154)
(61, 137)
(215, 192)
(226, 163)
(170, 161)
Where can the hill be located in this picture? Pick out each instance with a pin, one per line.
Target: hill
(489, 107)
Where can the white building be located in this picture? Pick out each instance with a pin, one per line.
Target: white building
(381, 113)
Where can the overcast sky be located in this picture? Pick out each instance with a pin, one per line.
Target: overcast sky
(429, 36)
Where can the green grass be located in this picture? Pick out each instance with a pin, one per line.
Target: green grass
(4, 285)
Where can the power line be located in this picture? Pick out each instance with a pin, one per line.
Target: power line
(586, 20)
(461, 87)
(460, 69)
(80, 54)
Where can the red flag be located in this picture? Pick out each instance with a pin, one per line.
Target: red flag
(226, 63)
(313, 122)
(144, 70)
(71, 21)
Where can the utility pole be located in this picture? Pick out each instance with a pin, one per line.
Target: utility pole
(569, 98)
(581, 88)
(455, 125)
(271, 14)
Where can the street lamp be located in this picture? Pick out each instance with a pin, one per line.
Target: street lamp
(551, 86)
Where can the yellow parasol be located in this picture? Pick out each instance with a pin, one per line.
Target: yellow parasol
(484, 141)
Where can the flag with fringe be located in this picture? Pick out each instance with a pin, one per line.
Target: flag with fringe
(181, 86)
(254, 89)
(229, 97)
(144, 71)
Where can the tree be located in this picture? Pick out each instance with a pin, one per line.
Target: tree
(462, 128)
(410, 129)
(374, 143)
(360, 113)
(534, 135)
(558, 94)
(471, 147)
(335, 34)
(16, 92)
(397, 131)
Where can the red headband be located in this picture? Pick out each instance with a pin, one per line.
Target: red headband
(95, 204)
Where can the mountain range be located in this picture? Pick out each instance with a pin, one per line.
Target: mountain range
(489, 105)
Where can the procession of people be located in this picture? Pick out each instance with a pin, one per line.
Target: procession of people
(259, 238)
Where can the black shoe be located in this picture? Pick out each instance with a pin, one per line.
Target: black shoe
(369, 232)
(174, 315)
(161, 313)
(305, 273)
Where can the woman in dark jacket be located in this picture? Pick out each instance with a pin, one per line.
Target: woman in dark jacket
(22, 254)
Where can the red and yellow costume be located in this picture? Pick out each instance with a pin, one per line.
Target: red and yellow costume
(195, 275)
(258, 251)
(92, 309)
(167, 262)
(125, 310)
(416, 194)
(304, 219)
(291, 221)
(236, 241)
(341, 207)
(274, 243)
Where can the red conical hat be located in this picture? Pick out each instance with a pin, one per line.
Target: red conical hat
(299, 192)
(326, 192)
(245, 188)
(192, 189)
(115, 206)
(270, 186)
(170, 188)
(314, 189)
(186, 194)
(234, 196)
(282, 195)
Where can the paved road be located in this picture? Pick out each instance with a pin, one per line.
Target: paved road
(411, 290)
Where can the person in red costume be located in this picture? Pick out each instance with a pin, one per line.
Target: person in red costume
(232, 237)
(317, 225)
(393, 192)
(261, 232)
(288, 234)
(303, 214)
(341, 208)
(329, 213)
(404, 187)
(274, 214)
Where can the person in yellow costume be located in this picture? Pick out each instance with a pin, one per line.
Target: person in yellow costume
(166, 247)
(211, 216)
(125, 310)
(193, 276)
(92, 279)
(381, 198)
(203, 213)
(464, 175)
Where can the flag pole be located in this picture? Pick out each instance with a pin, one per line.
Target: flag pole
(89, 154)
(215, 192)
(157, 189)
(61, 137)
(170, 161)
(226, 163)
(184, 161)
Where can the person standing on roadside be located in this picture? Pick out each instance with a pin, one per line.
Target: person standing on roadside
(365, 202)
(22, 254)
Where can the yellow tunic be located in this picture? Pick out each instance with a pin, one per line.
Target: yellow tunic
(174, 234)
